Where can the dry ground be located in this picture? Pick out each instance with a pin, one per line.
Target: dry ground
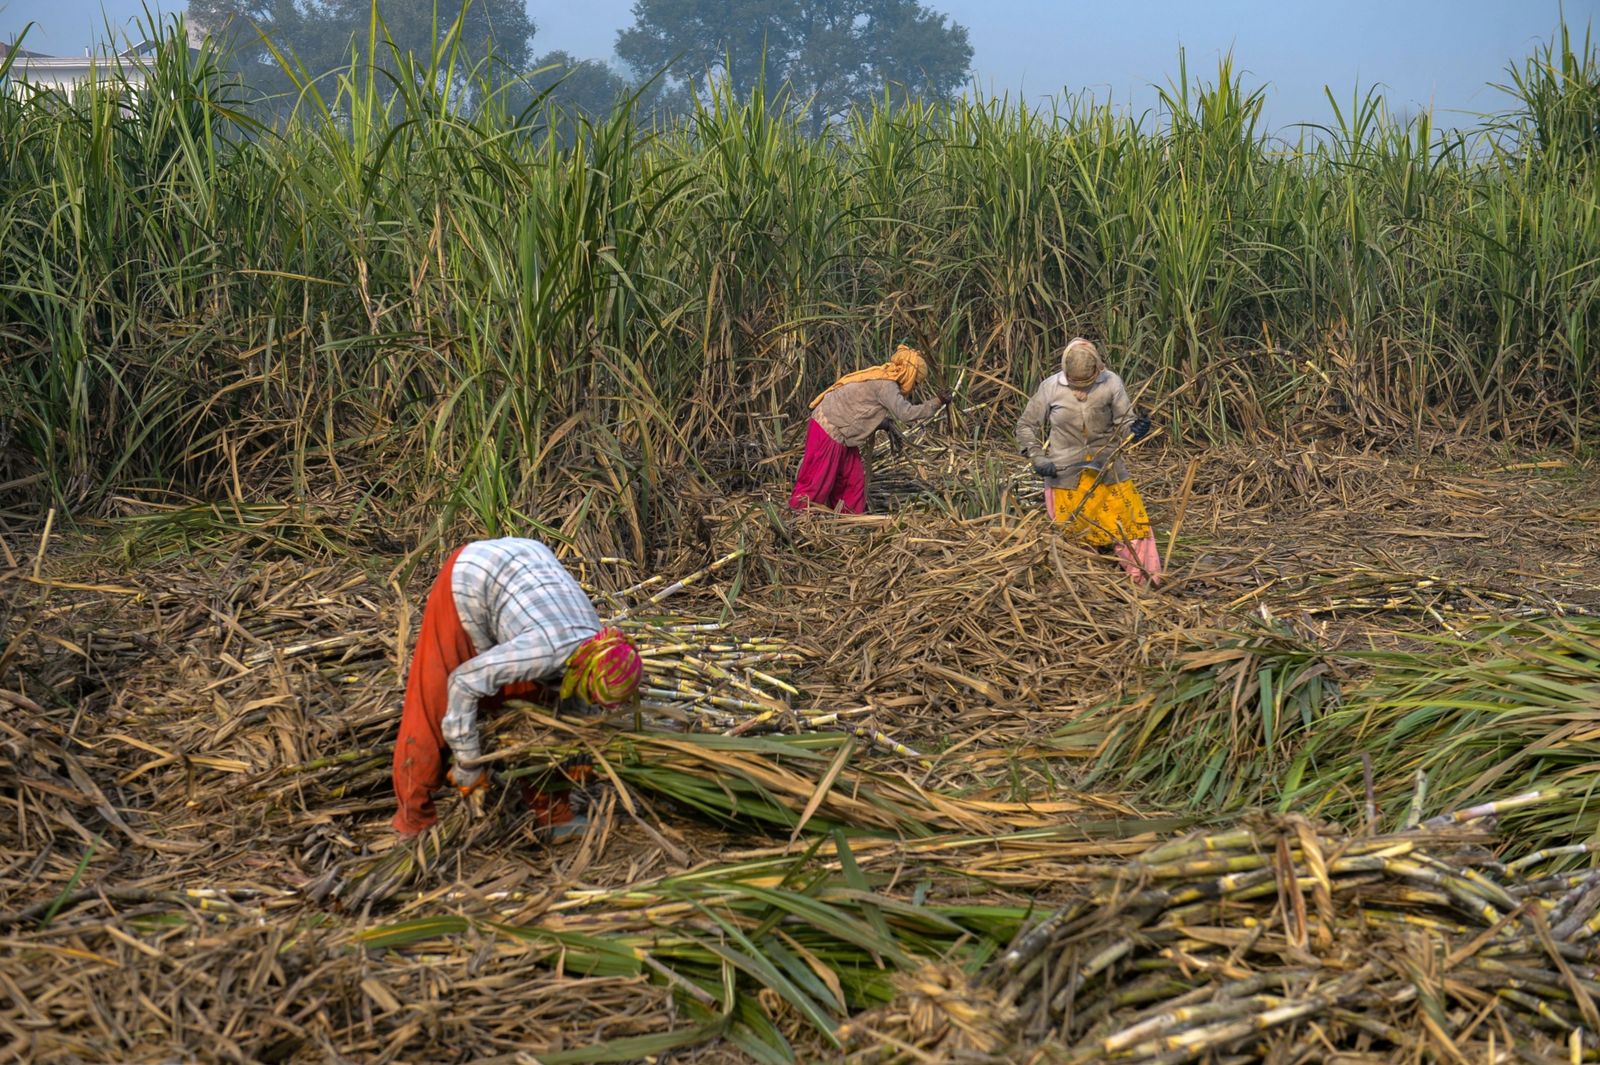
(160, 671)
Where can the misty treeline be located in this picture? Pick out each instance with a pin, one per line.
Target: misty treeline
(819, 57)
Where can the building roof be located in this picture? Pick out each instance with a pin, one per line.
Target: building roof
(102, 54)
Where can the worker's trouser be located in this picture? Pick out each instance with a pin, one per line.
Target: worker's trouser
(442, 645)
(830, 474)
(1110, 516)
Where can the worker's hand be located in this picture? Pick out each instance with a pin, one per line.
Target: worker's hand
(897, 439)
(468, 781)
(1139, 428)
(945, 397)
(1044, 467)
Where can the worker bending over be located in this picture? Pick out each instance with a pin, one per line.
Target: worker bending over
(844, 417)
(504, 620)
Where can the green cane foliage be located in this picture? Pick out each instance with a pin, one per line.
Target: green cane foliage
(1227, 727)
(1508, 710)
(1267, 719)
(825, 943)
(404, 279)
(1558, 90)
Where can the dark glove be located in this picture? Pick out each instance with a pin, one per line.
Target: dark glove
(1044, 467)
(1140, 426)
(575, 705)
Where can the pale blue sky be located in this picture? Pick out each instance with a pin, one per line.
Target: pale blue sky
(1439, 52)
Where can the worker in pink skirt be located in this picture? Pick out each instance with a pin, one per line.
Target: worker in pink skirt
(844, 417)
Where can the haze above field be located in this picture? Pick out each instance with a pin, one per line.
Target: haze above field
(1426, 52)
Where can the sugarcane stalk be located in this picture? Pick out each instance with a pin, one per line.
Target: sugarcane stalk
(1160, 1026)
(1227, 841)
(872, 735)
(1030, 944)
(1540, 1012)
(717, 718)
(1419, 794)
(635, 589)
(1575, 907)
(1493, 809)
(717, 673)
(343, 758)
(1546, 854)
(781, 685)
(720, 701)
(1186, 1046)
(1096, 964)
(1205, 867)
(679, 585)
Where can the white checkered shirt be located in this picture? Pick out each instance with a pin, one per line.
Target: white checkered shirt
(519, 602)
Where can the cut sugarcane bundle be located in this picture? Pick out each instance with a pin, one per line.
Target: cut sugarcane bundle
(1283, 935)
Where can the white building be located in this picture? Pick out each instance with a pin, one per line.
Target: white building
(65, 73)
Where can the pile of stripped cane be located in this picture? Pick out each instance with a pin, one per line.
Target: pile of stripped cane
(1285, 940)
(701, 676)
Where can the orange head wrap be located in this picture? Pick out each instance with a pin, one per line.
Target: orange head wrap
(906, 368)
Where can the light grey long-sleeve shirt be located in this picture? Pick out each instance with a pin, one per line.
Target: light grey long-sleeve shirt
(1059, 426)
(851, 412)
(524, 614)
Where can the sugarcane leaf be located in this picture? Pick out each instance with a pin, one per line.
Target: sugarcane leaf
(592, 955)
(624, 794)
(754, 1033)
(835, 922)
(1269, 723)
(823, 971)
(823, 787)
(735, 586)
(72, 883)
(1291, 780)
(405, 933)
(910, 912)
(1200, 686)
(1313, 701)
(749, 960)
(636, 1047)
(720, 802)
(802, 973)
(863, 893)
(1202, 787)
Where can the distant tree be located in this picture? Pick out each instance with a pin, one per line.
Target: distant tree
(320, 34)
(830, 54)
(559, 90)
(582, 86)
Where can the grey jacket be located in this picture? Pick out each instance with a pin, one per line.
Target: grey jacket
(1059, 426)
(851, 412)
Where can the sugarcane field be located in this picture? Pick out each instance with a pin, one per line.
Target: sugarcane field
(982, 583)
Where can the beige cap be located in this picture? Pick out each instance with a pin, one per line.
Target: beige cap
(1081, 363)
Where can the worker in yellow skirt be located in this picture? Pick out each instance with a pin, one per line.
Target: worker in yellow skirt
(1071, 430)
